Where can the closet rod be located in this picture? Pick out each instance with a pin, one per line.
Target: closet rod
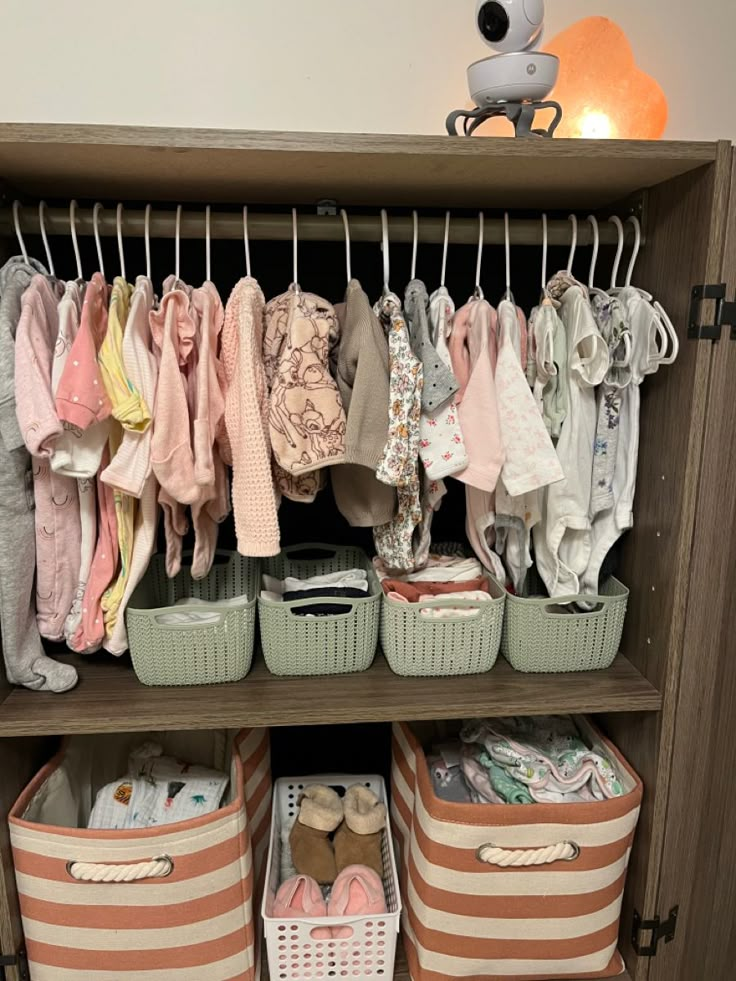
(312, 227)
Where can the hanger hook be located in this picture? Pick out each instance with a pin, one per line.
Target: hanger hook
(615, 220)
(207, 243)
(96, 226)
(545, 246)
(574, 243)
(42, 223)
(75, 243)
(596, 247)
(295, 236)
(386, 256)
(415, 217)
(478, 293)
(246, 241)
(445, 248)
(147, 237)
(177, 243)
(346, 226)
(18, 232)
(507, 241)
(633, 220)
(119, 229)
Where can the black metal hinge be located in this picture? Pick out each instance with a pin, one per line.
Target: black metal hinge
(659, 931)
(19, 961)
(725, 313)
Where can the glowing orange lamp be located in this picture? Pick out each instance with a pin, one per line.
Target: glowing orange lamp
(603, 93)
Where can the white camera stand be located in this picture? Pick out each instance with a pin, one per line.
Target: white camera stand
(521, 114)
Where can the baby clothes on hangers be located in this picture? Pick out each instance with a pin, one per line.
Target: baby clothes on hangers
(431, 497)
(58, 532)
(546, 370)
(562, 539)
(25, 661)
(398, 466)
(363, 380)
(246, 421)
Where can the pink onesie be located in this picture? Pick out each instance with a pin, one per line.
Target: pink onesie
(58, 533)
(81, 399)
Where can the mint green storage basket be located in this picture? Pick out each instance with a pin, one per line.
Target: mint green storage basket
(417, 646)
(539, 636)
(216, 650)
(342, 644)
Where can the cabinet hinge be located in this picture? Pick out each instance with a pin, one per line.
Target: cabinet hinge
(658, 930)
(725, 315)
(19, 961)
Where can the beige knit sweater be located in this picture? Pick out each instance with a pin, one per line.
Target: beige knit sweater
(246, 422)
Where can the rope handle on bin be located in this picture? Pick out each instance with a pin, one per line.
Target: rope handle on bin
(157, 868)
(563, 851)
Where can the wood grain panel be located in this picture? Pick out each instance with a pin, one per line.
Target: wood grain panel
(294, 168)
(699, 858)
(109, 698)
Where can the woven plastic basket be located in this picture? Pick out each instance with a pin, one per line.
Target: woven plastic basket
(219, 648)
(342, 644)
(416, 645)
(552, 635)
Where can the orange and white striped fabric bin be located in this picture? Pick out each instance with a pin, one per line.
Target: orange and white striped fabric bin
(517, 892)
(170, 903)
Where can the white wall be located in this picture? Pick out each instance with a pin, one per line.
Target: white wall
(359, 65)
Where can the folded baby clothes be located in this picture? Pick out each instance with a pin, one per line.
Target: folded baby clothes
(451, 612)
(157, 790)
(438, 568)
(351, 582)
(413, 593)
(342, 592)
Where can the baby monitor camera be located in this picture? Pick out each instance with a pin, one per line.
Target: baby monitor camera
(510, 25)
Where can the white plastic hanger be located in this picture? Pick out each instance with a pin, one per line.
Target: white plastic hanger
(615, 220)
(386, 256)
(42, 223)
(96, 226)
(348, 262)
(295, 236)
(415, 249)
(147, 239)
(633, 220)
(592, 288)
(18, 232)
(478, 291)
(119, 229)
(574, 243)
(507, 240)
(75, 243)
(177, 245)
(445, 248)
(246, 241)
(665, 327)
(545, 246)
(207, 244)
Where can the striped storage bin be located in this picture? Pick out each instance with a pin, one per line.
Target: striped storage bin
(466, 918)
(171, 903)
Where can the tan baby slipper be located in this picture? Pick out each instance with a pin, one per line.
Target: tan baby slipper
(311, 849)
(358, 839)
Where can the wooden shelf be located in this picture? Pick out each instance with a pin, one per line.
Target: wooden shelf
(109, 698)
(292, 168)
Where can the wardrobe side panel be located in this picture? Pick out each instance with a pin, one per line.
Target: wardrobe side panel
(685, 231)
(699, 858)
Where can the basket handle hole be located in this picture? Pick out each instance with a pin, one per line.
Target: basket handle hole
(556, 609)
(297, 554)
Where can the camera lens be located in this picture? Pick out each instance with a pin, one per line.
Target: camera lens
(493, 22)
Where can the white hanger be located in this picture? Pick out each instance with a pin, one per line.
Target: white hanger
(445, 248)
(415, 216)
(177, 243)
(348, 263)
(615, 220)
(596, 248)
(119, 228)
(42, 223)
(295, 237)
(246, 241)
(574, 244)
(207, 243)
(545, 245)
(95, 224)
(147, 238)
(670, 329)
(478, 292)
(632, 219)
(18, 233)
(507, 239)
(386, 256)
(75, 243)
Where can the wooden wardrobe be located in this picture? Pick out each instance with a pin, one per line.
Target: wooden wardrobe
(669, 701)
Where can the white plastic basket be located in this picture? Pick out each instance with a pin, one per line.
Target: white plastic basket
(293, 953)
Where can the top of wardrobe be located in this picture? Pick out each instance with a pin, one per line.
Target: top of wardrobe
(166, 164)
